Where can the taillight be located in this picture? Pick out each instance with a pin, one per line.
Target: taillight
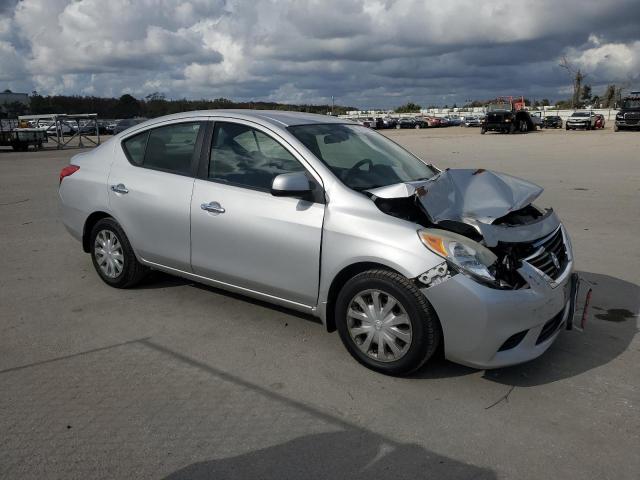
(66, 171)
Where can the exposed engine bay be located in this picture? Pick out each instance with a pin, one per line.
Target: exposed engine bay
(491, 208)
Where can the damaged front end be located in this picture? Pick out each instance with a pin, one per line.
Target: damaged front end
(484, 225)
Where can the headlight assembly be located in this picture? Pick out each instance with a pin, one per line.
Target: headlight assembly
(468, 256)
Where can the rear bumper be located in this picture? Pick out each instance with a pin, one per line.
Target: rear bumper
(477, 320)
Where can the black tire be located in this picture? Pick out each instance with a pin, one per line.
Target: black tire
(483, 131)
(132, 271)
(426, 331)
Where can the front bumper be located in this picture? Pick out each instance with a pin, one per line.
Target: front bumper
(628, 123)
(577, 124)
(477, 320)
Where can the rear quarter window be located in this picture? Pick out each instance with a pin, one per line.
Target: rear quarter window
(134, 147)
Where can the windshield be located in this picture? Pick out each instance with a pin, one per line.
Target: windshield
(631, 103)
(499, 106)
(580, 114)
(360, 157)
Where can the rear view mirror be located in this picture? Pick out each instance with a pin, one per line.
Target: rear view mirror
(336, 137)
(290, 185)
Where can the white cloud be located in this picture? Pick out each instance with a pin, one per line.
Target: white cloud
(365, 52)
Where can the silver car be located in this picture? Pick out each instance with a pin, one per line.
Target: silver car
(328, 217)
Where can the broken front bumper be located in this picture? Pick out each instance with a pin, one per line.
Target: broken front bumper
(488, 328)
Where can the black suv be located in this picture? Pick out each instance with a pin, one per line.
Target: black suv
(628, 116)
(502, 116)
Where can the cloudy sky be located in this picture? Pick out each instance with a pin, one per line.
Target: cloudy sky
(366, 53)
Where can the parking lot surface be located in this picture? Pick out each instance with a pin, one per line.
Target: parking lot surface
(182, 381)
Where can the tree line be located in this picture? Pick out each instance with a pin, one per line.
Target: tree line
(153, 105)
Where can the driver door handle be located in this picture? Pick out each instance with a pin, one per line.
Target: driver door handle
(213, 207)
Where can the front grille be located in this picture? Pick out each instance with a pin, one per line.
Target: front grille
(550, 327)
(550, 255)
(632, 116)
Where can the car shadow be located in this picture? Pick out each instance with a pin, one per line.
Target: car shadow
(610, 327)
(353, 454)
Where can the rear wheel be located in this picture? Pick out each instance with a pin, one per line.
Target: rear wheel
(386, 323)
(112, 255)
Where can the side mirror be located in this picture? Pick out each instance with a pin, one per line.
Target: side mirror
(290, 185)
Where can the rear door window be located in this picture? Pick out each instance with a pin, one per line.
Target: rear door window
(171, 148)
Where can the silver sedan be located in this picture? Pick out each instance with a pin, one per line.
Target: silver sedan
(327, 217)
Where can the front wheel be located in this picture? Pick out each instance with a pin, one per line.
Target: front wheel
(112, 255)
(483, 131)
(386, 323)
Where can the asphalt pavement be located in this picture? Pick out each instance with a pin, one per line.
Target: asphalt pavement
(182, 381)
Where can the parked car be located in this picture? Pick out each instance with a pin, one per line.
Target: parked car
(389, 122)
(536, 118)
(63, 129)
(444, 121)
(552, 121)
(406, 122)
(434, 121)
(404, 258)
(123, 125)
(628, 117)
(585, 120)
(454, 121)
(599, 121)
(472, 121)
(420, 122)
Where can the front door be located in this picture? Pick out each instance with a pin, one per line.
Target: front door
(244, 236)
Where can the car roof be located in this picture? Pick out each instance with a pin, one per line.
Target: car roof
(277, 118)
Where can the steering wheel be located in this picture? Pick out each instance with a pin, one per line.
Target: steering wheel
(353, 170)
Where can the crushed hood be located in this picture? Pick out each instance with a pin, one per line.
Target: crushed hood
(475, 197)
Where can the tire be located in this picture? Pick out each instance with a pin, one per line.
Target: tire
(420, 323)
(524, 127)
(417, 127)
(483, 131)
(616, 128)
(567, 128)
(119, 254)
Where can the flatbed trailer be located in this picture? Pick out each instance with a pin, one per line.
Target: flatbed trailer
(11, 135)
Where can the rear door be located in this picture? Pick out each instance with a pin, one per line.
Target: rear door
(252, 239)
(150, 187)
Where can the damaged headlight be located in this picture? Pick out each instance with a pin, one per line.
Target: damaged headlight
(470, 257)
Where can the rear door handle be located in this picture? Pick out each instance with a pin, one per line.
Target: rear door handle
(119, 188)
(213, 207)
